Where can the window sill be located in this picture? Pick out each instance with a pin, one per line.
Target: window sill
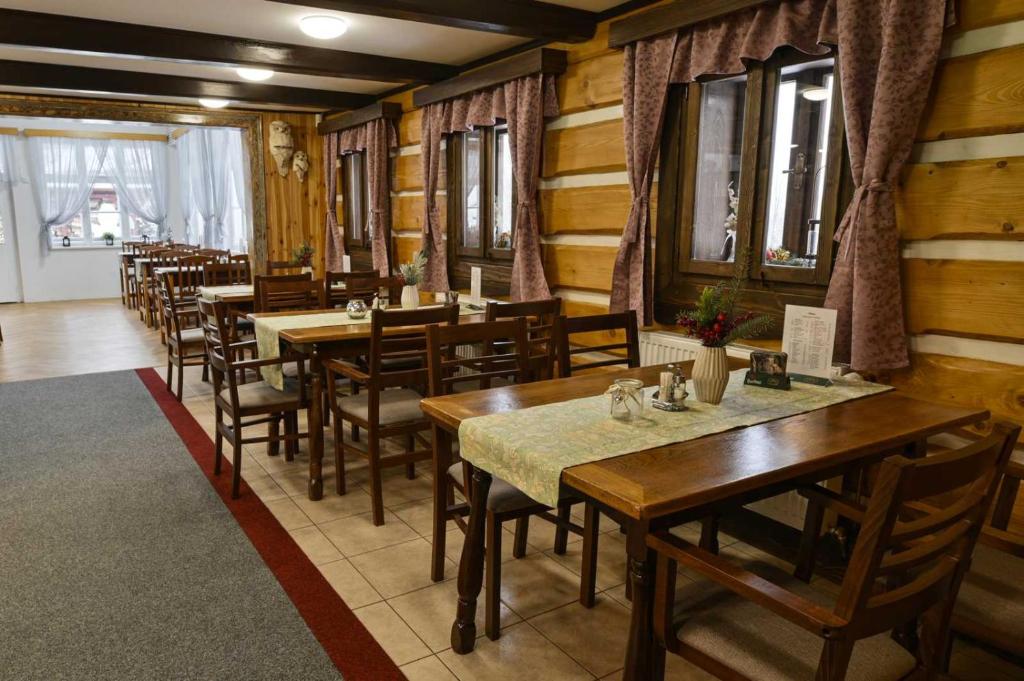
(58, 248)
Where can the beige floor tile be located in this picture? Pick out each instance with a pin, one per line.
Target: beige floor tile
(431, 611)
(288, 514)
(520, 653)
(595, 638)
(394, 635)
(428, 669)
(295, 481)
(398, 569)
(333, 506)
(419, 515)
(315, 545)
(454, 539)
(264, 487)
(611, 559)
(349, 584)
(398, 490)
(536, 584)
(358, 534)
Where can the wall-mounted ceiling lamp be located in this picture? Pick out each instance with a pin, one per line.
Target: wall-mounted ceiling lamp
(254, 74)
(322, 26)
(816, 94)
(212, 103)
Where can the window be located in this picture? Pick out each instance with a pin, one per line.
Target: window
(753, 164)
(102, 213)
(481, 207)
(355, 189)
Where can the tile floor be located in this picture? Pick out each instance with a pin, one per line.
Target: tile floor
(382, 573)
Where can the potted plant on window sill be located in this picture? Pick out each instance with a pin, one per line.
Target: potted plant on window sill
(108, 238)
(715, 323)
(412, 275)
(303, 257)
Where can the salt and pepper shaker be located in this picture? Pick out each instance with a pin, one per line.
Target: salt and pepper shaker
(671, 390)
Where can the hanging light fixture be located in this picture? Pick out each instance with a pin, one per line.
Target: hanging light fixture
(254, 74)
(213, 103)
(322, 26)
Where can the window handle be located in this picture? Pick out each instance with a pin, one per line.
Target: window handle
(798, 172)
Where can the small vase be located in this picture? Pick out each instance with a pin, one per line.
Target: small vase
(410, 297)
(710, 374)
(307, 270)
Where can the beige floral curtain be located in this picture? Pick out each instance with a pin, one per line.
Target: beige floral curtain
(524, 104)
(334, 239)
(888, 52)
(377, 138)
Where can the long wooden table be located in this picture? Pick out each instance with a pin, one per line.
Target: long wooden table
(667, 486)
(320, 344)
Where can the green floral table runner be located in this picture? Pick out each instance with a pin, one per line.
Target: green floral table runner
(529, 448)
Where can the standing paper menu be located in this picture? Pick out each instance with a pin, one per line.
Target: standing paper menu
(808, 338)
(475, 285)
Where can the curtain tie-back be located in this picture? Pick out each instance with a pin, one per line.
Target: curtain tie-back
(852, 217)
(435, 216)
(640, 208)
(526, 203)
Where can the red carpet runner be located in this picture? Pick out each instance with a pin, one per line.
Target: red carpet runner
(350, 646)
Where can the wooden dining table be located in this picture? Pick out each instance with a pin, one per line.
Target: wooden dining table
(667, 486)
(319, 344)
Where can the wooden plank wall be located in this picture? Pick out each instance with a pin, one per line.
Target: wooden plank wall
(295, 210)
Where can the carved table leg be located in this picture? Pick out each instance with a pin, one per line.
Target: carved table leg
(316, 432)
(471, 567)
(644, 660)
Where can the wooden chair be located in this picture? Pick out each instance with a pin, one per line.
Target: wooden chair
(282, 266)
(605, 324)
(191, 274)
(186, 345)
(505, 353)
(363, 285)
(289, 292)
(227, 273)
(541, 316)
(218, 254)
(755, 622)
(244, 401)
(385, 406)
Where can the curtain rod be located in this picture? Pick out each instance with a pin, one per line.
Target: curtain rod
(91, 134)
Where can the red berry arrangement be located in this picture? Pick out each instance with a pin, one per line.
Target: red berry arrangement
(714, 320)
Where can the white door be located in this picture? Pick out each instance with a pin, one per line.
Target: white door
(10, 274)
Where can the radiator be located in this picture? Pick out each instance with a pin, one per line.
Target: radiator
(661, 347)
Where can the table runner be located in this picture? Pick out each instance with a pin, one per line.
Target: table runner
(268, 330)
(529, 448)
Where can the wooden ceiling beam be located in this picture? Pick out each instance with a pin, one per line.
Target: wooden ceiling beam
(527, 18)
(391, 110)
(60, 77)
(673, 16)
(541, 60)
(77, 34)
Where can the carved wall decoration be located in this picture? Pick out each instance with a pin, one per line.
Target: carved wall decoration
(300, 165)
(282, 146)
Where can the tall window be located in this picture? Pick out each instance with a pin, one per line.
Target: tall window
(355, 190)
(103, 213)
(481, 206)
(755, 166)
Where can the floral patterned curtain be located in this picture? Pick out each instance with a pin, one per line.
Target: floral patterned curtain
(377, 137)
(334, 239)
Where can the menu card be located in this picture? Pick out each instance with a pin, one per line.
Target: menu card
(346, 263)
(475, 285)
(808, 338)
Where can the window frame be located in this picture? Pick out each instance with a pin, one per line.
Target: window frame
(497, 262)
(88, 239)
(361, 249)
(679, 278)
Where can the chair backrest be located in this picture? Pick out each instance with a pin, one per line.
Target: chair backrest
(226, 273)
(541, 316)
(215, 253)
(606, 327)
(363, 285)
(276, 294)
(504, 353)
(171, 300)
(282, 266)
(390, 341)
(909, 555)
(213, 319)
(190, 273)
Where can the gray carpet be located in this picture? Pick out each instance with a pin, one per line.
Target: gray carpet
(117, 558)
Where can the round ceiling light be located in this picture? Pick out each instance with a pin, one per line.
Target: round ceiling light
(213, 103)
(816, 94)
(322, 26)
(254, 74)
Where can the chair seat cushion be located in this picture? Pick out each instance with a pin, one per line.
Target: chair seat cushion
(502, 496)
(761, 645)
(189, 336)
(396, 406)
(992, 593)
(263, 396)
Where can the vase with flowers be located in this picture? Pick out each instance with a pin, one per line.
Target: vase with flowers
(303, 256)
(412, 275)
(715, 322)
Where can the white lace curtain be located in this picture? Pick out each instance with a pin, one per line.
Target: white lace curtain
(62, 171)
(8, 176)
(214, 187)
(139, 169)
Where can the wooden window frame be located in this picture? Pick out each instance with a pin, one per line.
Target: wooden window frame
(360, 250)
(496, 262)
(679, 278)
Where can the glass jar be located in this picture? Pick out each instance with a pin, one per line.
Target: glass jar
(627, 399)
(356, 309)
